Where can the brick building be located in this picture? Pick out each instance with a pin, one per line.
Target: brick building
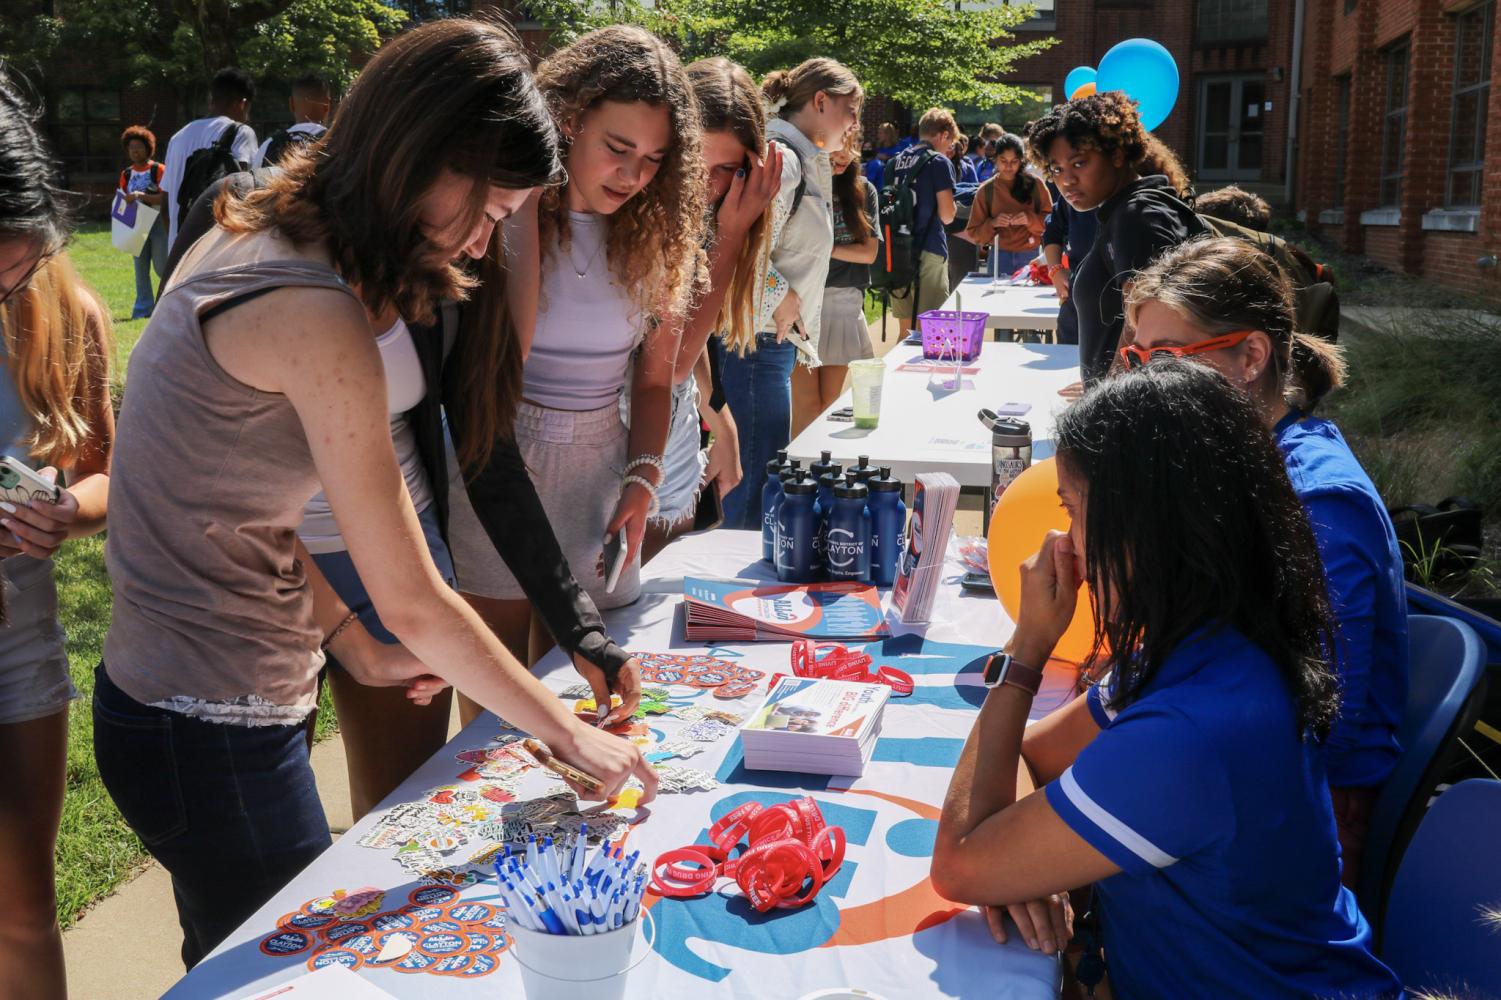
(1235, 69)
(1400, 119)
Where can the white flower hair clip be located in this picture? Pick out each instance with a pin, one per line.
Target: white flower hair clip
(776, 106)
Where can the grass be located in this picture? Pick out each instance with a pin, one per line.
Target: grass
(96, 852)
(1422, 411)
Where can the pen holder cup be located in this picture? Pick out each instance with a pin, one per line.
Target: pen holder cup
(574, 967)
(952, 335)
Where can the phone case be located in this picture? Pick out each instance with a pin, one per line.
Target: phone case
(20, 485)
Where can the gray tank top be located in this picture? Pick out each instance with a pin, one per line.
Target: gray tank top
(212, 616)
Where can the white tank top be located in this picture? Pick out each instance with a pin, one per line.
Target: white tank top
(587, 326)
(405, 387)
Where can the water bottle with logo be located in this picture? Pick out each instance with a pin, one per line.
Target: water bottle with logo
(826, 483)
(849, 531)
(771, 495)
(1010, 454)
(888, 527)
(796, 530)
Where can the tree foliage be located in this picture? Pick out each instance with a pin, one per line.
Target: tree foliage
(182, 42)
(919, 52)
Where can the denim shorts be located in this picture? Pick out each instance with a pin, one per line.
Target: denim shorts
(34, 679)
(338, 569)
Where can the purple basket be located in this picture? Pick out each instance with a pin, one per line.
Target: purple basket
(945, 331)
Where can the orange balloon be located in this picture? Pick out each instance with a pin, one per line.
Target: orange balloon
(1022, 518)
(1084, 90)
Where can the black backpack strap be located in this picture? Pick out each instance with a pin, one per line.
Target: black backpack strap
(228, 136)
(448, 319)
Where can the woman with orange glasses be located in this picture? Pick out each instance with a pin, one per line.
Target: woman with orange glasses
(1226, 304)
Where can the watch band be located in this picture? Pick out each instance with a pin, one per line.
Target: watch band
(1003, 668)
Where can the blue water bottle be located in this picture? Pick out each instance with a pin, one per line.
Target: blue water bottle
(796, 530)
(771, 495)
(830, 478)
(888, 527)
(849, 531)
(863, 470)
(823, 465)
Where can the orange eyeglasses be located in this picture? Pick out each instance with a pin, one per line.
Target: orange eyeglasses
(1134, 356)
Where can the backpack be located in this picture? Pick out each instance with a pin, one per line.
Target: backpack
(1315, 301)
(156, 176)
(284, 141)
(802, 184)
(896, 267)
(206, 167)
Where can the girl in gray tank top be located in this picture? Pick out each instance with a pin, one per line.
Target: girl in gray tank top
(258, 379)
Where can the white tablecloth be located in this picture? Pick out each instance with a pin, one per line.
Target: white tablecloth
(1010, 307)
(928, 426)
(861, 931)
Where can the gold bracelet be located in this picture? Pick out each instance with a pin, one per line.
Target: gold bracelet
(349, 620)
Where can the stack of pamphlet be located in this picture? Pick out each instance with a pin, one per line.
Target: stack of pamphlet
(934, 497)
(812, 725)
(746, 611)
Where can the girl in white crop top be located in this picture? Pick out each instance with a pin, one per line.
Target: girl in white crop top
(621, 247)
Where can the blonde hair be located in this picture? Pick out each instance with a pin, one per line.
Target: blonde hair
(729, 101)
(57, 342)
(1226, 284)
(787, 90)
(936, 121)
(654, 242)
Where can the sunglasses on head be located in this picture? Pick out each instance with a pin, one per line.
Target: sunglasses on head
(1134, 356)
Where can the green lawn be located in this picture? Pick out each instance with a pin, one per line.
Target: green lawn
(96, 851)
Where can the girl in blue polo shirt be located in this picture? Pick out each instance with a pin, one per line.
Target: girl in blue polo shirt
(1225, 303)
(1190, 787)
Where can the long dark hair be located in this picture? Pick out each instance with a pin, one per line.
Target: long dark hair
(849, 193)
(1190, 521)
(1023, 184)
(455, 94)
(32, 205)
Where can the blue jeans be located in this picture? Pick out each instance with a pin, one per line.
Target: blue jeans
(232, 812)
(153, 254)
(1011, 260)
(338, 569)
(758, 390)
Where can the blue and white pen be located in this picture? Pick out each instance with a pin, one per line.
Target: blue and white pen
(549, 918)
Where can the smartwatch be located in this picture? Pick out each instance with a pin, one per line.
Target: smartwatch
(1003, 668)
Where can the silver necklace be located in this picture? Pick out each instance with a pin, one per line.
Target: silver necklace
(587, 264)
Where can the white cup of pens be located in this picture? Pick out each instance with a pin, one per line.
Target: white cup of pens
(573, 914)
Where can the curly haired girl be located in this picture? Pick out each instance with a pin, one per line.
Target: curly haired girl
(1095, 150)
(621, 251)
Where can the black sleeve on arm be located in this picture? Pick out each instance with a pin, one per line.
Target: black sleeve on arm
(1055, 231)
(506, 502)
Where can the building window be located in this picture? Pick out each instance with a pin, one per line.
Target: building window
(1341, 137)
(1036, 100)
(1044, 17)
(1231, 20)
(1394, 123)
(1350, 6)
(86, 129)
(1472, 92)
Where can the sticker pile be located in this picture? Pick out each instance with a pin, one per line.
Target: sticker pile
(432, 932)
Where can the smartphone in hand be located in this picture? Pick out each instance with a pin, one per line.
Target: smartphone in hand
(20, 484)
(615, 550)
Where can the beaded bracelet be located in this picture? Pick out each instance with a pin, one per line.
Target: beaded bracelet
(651, 490)
(655, 461)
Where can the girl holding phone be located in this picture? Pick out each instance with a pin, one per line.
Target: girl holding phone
(621, 248)
(54, 411)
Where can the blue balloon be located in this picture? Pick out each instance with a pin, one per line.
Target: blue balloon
(1147, 74)
(1077, 77)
